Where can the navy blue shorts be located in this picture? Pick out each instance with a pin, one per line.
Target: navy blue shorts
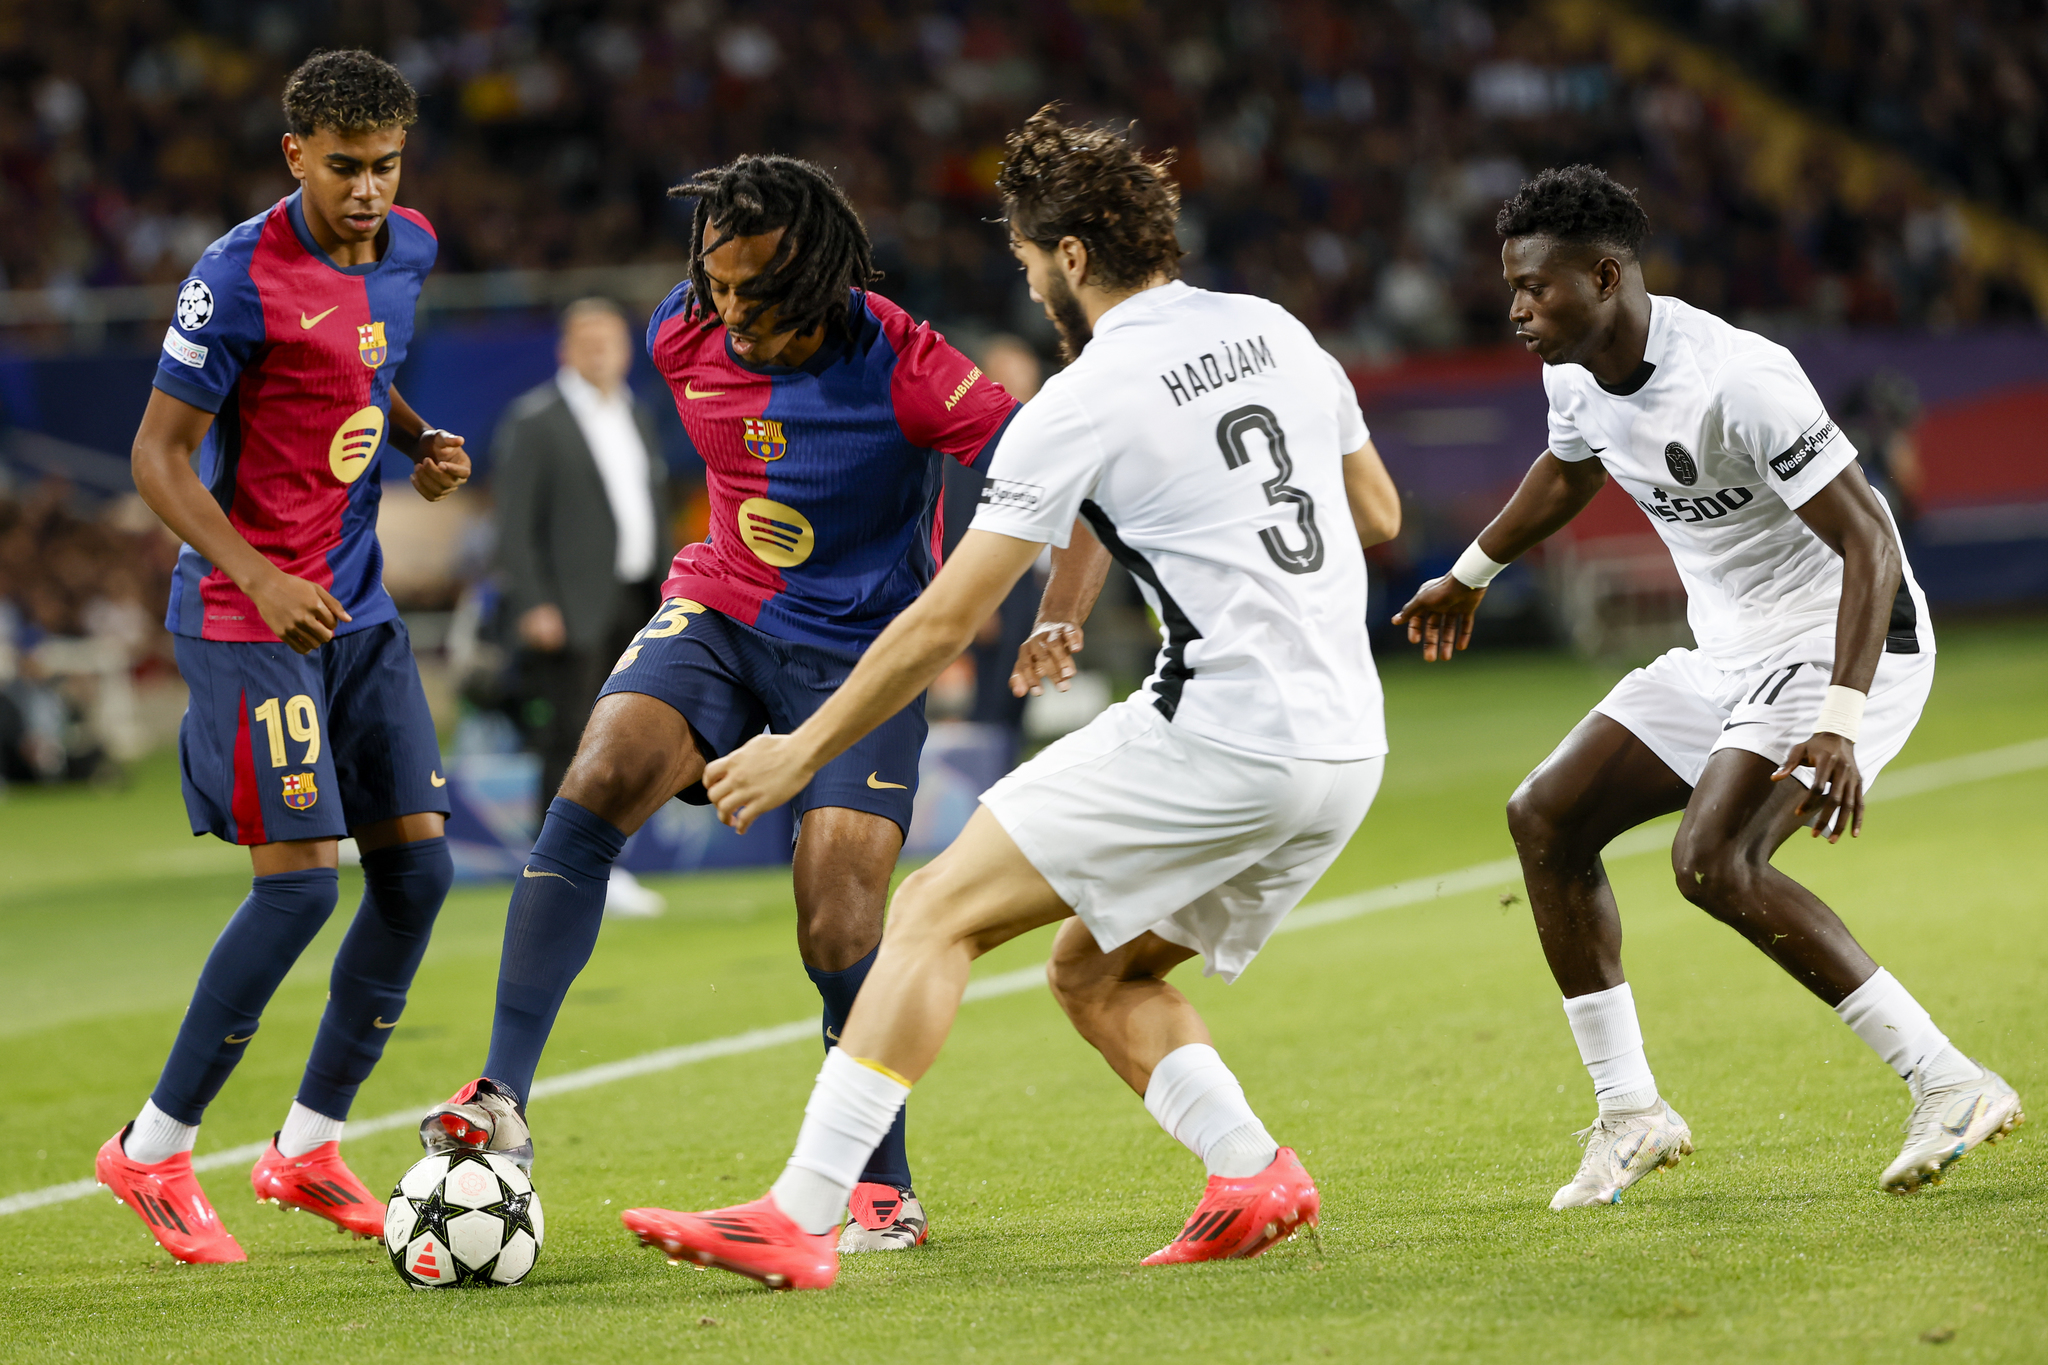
(731, 682)
(280, 745)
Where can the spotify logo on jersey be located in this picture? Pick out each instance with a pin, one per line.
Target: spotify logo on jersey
(355, 444)
(777, 533)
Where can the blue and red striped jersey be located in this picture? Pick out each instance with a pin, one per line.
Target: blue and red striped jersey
(294, 355)
(823, 477)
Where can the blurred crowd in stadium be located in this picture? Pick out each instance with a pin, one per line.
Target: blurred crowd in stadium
(1345, 159)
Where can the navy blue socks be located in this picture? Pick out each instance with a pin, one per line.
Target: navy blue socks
(282, 915)
(890, 1162)
(403, 887)
(550, 931)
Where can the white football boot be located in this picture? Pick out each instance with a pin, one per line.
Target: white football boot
(1946, 1123)
(883, 1218)
(1620, 1150)
(483, 1116)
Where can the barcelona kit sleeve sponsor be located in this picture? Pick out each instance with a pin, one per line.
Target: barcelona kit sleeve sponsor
(824, 477)
(294, 355)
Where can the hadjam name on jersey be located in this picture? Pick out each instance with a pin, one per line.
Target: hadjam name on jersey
(1228, 363)
(764, 438)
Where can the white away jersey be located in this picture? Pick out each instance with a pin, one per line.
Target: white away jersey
(1718, 439)
(1202, 436)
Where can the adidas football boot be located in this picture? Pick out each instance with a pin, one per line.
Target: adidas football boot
(483, 1116)
(1239, 1218)
(1620, 1150)
(883, 1218)
(757, 1240)
(166, 1196)
(318, 1182)
(1946, 1123)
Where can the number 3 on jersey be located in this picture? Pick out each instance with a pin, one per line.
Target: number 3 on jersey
(1230, 434)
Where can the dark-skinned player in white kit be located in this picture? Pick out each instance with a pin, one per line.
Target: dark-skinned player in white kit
(1815, 658)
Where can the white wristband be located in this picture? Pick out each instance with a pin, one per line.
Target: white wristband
(1474, 569)
(425, 432)
(1841, 713)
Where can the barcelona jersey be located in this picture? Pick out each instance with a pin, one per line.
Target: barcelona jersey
(294, 355)
(823, 477)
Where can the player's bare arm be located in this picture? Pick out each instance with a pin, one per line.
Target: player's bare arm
(1375, 502)
(301, 613)
(770, 769)
(1439, 617)
(439, 463)
(1056, 636)
(1847, 515)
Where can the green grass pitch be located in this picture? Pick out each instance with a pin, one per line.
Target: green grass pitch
(1417, 1057)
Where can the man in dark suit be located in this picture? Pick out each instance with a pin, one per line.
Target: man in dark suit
(583, 529)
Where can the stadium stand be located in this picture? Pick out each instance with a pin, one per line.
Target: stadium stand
(1343, 159)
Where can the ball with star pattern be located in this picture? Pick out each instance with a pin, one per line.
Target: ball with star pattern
(467, 1219)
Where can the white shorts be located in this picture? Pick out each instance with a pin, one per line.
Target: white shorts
(1139, 825)
(1686, 710)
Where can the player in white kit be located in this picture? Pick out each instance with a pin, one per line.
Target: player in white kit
(1815, 658)
(1219, 454)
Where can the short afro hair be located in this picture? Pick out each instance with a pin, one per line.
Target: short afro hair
(1581, 205)
(350, 91)
(1059, 180)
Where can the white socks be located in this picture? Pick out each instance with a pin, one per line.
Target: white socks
(1884, 1015)
(156, 1136)
(304, 1129)
(1611, 1045)
(850, 1111)
(1198, 1101)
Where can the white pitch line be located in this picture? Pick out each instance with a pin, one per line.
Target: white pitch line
(1914, 781)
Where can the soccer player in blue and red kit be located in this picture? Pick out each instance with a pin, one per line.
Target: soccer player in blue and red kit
(822, 413)
(306, 720)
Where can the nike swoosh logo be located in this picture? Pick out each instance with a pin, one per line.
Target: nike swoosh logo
(833, 1034)
(231, 1038)
(378, 1022)
(875, 781)
(529, 872)
(308, 324)
(436, 778)
(690, 390)
(1598, 450)
(1733, 723)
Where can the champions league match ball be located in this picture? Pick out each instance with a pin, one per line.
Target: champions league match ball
(470, 1219)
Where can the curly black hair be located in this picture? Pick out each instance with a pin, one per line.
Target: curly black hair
(1059, 180)
(824, 253)
(349, 91)
(1578, 204)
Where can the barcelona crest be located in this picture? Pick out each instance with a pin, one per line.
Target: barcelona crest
(370, 344)
(299, 791)
(764, 439)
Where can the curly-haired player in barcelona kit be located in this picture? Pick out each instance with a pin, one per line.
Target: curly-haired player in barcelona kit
(306, 720)
(1815, 657)
(822, 413)
(1219, 454)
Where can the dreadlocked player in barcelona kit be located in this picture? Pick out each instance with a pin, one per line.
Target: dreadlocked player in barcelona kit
(822, 413)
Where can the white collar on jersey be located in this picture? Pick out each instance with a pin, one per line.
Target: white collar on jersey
(1141, 303)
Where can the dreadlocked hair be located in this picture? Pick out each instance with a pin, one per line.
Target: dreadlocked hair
(1059, 180)
(824, 252)
(350, 91)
